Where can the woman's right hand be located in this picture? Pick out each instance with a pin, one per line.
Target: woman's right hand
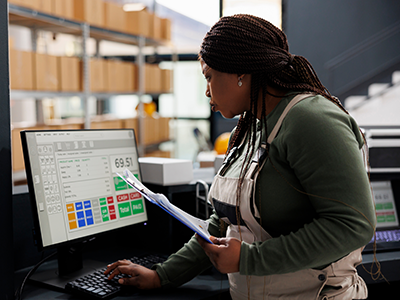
(137, 275)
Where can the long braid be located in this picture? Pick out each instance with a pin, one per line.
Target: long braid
(250, 117)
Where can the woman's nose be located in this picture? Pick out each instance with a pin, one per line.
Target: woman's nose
(208, 93)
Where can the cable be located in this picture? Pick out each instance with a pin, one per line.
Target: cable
(18, 292)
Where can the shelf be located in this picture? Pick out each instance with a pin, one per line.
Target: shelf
(41, 21)
(22, 94)
(124, 38)
(34, 19)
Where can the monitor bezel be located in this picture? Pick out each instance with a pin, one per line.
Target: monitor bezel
(34, 208)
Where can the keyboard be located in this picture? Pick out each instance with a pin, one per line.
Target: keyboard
(388, 236)
(96, 284)
(386, 240)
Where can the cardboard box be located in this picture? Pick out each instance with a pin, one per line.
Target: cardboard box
(32, 4)
(132, 123)
(165, 28)
(90, 11)
(18, 163)
(155, 26)
(166, 171)
(135, 77)
(16, 2)
(110, 73)
(159, 153)
(137, 22)
(152, 82)
(166, 81)
(114, 17)
(164, 129)
(45, 6)
(103, 122)
(129, 76)
(63, 8)
(121, 76)
(97, 75)
(21, 70)
(10, 42)
(150, 130)
(69, 74)
(114, 72)
(69, 123)
(45, 72)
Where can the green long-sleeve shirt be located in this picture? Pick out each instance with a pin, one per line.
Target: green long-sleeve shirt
(315, 199)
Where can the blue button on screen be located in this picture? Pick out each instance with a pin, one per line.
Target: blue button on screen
(81, 218)
(78, 205)
(89, 217)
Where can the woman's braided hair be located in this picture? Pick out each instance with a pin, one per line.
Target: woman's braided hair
(245, 44)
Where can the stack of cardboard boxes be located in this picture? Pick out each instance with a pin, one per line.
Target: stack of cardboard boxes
(104, 14)
(21, 70)
(43, 72)
(157, 80)
(156, 129)
(69, 74)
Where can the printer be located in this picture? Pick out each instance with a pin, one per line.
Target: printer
(384, 149)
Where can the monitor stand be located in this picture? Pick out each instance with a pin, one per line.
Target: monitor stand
(69, 266)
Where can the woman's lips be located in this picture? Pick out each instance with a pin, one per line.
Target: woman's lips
(212, 107)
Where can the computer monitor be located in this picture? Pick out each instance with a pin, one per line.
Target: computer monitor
(386, 192)
(385, 205)
(75, 192)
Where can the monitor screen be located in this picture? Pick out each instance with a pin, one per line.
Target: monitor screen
(385, 204)
(73, 186)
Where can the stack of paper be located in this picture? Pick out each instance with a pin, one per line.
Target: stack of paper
(197, 225)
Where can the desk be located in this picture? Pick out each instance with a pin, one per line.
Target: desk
(390, 267)
(211, 285)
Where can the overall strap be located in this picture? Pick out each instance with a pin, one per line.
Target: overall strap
(260, 155)
(278, 124)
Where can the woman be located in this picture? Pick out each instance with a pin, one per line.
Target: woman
(292, 202)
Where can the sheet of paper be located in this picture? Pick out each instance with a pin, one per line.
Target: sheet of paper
(196, 224)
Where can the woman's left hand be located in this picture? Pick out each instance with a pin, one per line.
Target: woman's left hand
(224, 253)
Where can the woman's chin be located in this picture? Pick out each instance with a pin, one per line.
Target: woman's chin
(227, 115)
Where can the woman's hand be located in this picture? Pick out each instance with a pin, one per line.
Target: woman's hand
(224, 253)
(140, 276)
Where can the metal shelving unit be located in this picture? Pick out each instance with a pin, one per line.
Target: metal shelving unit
(38, 21)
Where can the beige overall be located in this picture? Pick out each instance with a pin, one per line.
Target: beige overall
(305, 284)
